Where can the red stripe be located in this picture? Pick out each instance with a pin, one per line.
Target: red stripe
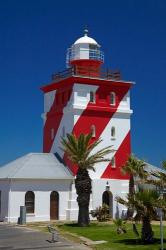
(54, 117)
(121, 156)
(98, 114)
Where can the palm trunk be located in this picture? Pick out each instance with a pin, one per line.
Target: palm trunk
(83, 189)
(130, 211)
(131, 185)
(146, 233)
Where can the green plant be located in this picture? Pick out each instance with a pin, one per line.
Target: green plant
(79, 151)
(101, 213)
(135, 169)
(121, 226)
(144, 203)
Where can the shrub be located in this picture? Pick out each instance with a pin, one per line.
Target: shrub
(101, 213)
(120, 226)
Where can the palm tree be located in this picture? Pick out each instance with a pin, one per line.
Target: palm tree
(134, 168)
(80, 152)
(144, 203)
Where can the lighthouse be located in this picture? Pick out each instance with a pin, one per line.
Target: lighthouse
(85, 98)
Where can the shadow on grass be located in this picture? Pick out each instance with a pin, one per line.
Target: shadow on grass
(137, 241)
(71, 224)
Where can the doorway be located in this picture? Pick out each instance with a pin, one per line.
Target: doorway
(107, 198)
(54, 205)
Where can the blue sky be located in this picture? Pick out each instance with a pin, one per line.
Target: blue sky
(34, 36)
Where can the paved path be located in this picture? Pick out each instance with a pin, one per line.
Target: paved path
(13, 237)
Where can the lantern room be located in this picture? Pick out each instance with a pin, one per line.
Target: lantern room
(84, 48)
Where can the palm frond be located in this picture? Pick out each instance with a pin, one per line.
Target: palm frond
(79, 150)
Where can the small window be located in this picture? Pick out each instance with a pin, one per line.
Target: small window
(113, 132)
(63, 132)
(52, 134)
(92, 97)
(30, 202)
(112, 98)
(93, 130)
(113, 162)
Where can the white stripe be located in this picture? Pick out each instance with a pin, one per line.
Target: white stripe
(71, 114)
(48, 102)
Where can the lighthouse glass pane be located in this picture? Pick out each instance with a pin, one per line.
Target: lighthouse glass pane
(93, 46)
(84, 51)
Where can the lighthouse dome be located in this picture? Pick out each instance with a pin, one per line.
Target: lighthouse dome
(86, 39)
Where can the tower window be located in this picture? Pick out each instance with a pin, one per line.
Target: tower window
(52, 134)
(113, 132)
(92, 97)
(63, 132)
(30, 202)
(93, 130)
(112, 98)
(113, 162)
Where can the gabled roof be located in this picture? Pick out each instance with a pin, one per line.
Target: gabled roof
(152, 168)
(36, 166)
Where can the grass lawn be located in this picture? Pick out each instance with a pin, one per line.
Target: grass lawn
(107, 232)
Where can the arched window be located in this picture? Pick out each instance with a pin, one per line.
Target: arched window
(52, 134)
(93, 130)
(63, 132)
(30, 202)
(92, 97)
(113, 162)
(113, 132)
(112, 98)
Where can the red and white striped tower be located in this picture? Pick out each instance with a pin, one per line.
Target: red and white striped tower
(83, 98)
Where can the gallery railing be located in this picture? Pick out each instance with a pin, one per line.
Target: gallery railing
(86, 72)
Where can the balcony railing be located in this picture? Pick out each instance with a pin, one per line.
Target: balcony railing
(86, 72)
(76, 54)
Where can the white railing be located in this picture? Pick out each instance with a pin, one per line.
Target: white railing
(76, 54)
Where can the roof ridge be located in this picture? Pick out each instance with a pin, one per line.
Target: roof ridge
(19, 167)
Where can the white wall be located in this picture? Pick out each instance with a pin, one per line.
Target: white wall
(117, 187)
(42, 190)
